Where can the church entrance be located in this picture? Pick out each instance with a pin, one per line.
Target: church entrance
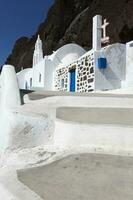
(72, 80)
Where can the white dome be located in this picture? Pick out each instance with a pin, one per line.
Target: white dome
(67, 54)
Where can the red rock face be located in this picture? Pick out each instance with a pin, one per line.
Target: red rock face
(71, 21)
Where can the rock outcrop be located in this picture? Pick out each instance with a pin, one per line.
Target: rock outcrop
(71, 21)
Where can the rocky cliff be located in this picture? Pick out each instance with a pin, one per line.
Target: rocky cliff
(71, 21)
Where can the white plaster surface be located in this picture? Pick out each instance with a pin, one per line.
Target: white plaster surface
(128, 83)
(10, 99)
(38, 137)
(43, 132)
(39, 69)
(97, 32)
(38, 52)
(49, 75)
(112, 77)
(50, 126)
(118, 73)
(67, 54)
(23, 77)
(10, 96)
(43, 71)
(107, 138)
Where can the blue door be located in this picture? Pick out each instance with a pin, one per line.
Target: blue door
(72, 80)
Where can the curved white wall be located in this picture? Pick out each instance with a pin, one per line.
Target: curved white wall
(10, 98)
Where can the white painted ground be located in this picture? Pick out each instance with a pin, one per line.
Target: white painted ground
(45, 130)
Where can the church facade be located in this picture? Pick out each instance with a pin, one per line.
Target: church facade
(72, 69)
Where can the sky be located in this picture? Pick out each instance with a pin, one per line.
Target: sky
(19, 18)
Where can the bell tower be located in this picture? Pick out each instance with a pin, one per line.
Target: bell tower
(38, 52)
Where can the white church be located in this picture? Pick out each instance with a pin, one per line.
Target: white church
(72, 69)
(59, 147)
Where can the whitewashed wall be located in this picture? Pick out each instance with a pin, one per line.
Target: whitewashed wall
(22, 76)
(28, 78)
(129, 66)
(49, 75)
(46, 68)
(111, 77)
(37, 70)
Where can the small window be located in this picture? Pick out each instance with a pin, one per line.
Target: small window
(30, 82)
(62, 83)
(40, 77)
(26, 85)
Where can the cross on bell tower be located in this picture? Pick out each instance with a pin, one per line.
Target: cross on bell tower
(105, 38)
